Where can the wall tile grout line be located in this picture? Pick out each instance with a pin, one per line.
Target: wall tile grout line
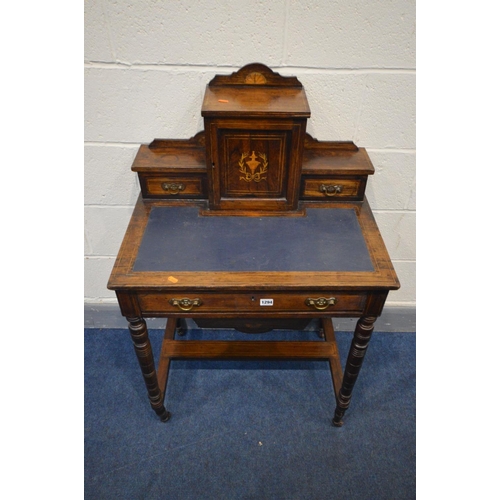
(285, 33)
(204, 69)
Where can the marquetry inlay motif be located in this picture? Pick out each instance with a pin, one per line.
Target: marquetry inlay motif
(256, 78)
(249, 168)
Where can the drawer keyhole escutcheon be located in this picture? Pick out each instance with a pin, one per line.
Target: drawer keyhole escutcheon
(330, 190)
(185, 304)
(173, 187)
(321, 303)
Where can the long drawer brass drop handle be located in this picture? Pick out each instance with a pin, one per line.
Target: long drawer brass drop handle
(173, 187)
(330, 190)
(321, 303)
(185, 304)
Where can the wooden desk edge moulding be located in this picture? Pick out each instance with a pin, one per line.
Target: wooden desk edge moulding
(252, 164)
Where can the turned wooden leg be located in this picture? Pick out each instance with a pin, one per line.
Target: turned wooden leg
(362, 335)
(139, 332)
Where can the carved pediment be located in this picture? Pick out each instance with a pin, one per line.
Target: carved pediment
(256, 74)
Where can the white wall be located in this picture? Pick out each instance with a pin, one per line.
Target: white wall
(147, 64)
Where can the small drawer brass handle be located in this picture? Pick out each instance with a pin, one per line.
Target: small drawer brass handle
(321, 303)
(185, 304)
(173, 187)
(330, 190)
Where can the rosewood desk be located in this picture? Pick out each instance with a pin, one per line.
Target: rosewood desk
(252, 224)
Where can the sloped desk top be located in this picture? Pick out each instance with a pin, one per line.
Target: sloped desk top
(173, 247)
(179, 239)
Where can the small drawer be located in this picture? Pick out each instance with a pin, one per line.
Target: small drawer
(172, 187)
(331, 188)
(261, 303)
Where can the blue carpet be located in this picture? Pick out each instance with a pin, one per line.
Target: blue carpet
(250, 429)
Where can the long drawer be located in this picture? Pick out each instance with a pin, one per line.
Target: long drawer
(262, 303)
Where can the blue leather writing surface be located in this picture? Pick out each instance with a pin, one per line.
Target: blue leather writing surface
(179, 239)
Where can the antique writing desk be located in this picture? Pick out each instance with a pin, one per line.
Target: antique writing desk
(252, 224)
